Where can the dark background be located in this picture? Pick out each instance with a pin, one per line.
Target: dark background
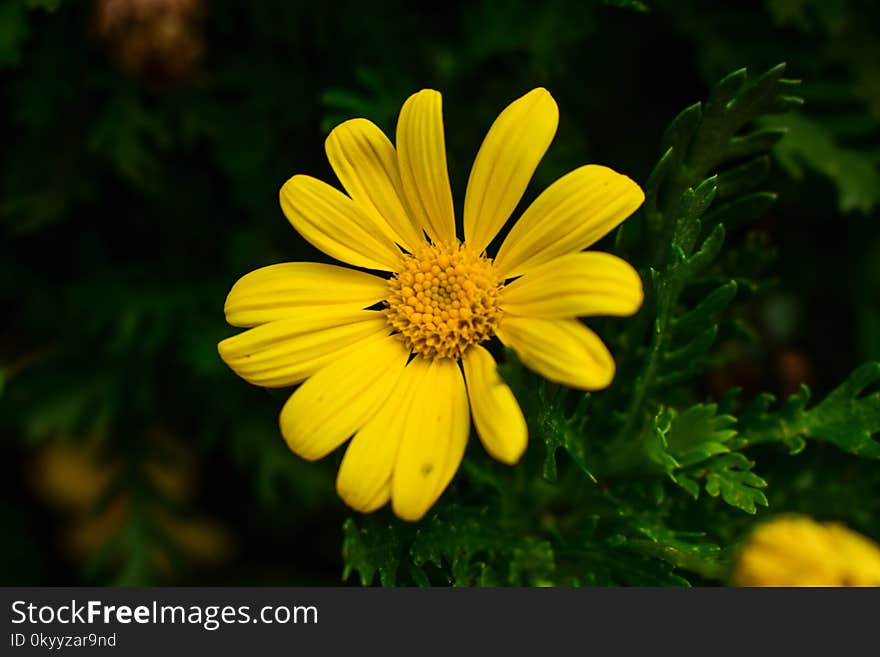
(143, 145)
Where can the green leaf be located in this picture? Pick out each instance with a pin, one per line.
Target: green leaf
(373, 548)
(459, 537)
(689, 357)
(655, 441)
(846, 418)
(709, 250)
(566, 433)
(705, 314)
(695, 202)
(682, 129)
(756, 98)
(809, 144)
(680, 191)
(700, 440)
(470, 542)
(636, 545)
(622, 564)
(548, 421)
(632, 5)
(734, 103)
(730, 476)
(743, 178)
(655, 179)
(645, 453)
(699, 433)
(693, 446)
(741, 210)
(533, 563)
(755, 143)
(727, 88)
(686, 550)
(127, 133)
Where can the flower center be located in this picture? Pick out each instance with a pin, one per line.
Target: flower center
(444, 299)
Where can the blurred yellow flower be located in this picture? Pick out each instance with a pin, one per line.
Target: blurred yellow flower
(407, 378)
(96, 497)
(797, 551)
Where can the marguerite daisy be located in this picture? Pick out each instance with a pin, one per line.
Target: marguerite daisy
(398, 361)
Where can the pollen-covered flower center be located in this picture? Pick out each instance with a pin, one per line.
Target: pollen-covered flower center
(443, 299)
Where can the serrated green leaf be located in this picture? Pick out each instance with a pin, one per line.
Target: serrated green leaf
(562, 434)
(730, 476)
(655, 444)
(743, 178)
(760, 141)
(680, 193)
(453, 533)
(845, 418)
(682, 129)
(848, 419)
(699, 433)
(687, 550)
(741, 210)
(616, 563)
(690, 354)
(706, 313)
(468, 541)
(418, 576)
(809, 144)
(656, 178)
(690, 485)
(707, 253)
(728, 87)
(757, 98)
(734, 103)
(695, 201)
(687, 230)
(532, 563)
(370, 549)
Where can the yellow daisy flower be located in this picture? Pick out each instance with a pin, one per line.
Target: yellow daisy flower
(407, 378)
(797, 551)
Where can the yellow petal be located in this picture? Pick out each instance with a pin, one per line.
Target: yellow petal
(574, 212)
(338, 399)
(364, 479)
(798, 551)
(561, 350)
(435, 433)
(576, 285)
(283, 353)
(366, 164)
(335, 224)
(380, 498)
(283, 290)
(421, 156)
(510, 153)
(497, 416)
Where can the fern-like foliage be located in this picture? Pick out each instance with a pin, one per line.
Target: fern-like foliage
(615, 471)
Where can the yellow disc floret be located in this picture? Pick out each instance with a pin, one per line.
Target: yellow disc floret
(444, 299)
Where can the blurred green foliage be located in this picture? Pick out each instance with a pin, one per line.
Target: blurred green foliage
(135, 190)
